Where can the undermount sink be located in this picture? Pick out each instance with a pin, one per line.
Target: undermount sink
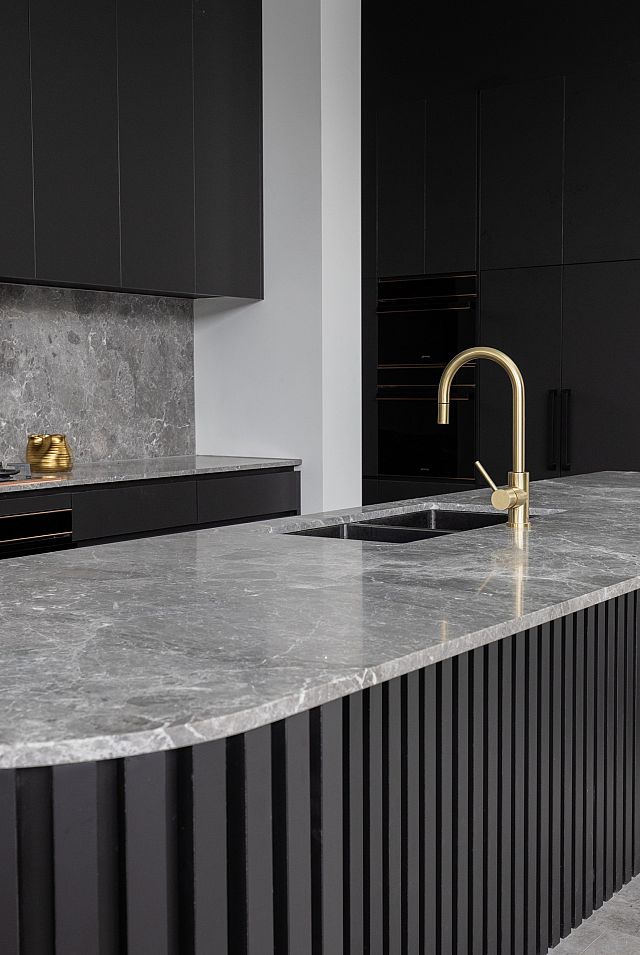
(449, 521)
(408, 527)
(369, 532)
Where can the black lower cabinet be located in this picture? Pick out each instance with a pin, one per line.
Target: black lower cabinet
(113, 512)
(521, 314)
(476, 806)
(234, 498)
(31, 522)
(601, 341)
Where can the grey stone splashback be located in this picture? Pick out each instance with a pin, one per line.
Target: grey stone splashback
(112, 370)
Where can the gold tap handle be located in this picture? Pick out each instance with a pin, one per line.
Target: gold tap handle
(492, 484)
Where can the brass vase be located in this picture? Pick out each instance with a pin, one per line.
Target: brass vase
(49, 452)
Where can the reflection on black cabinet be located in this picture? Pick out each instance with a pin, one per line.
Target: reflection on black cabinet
(75, 143)
(521, 314)
(600, 366)
(521, 188)
(602, 199)
(16, 175)
(156, 144)
(228, 154)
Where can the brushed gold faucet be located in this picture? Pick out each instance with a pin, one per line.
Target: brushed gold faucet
(515, 497)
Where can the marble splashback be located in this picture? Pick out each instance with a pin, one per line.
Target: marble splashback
(112, 370)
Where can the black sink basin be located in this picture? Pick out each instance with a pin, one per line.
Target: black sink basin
(441, 520)
(369, 532)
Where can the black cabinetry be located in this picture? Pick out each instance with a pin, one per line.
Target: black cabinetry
(601, 342)
(16, 180)
(401, 186)
(427, 186)
(227, 41)
(132, 152)
(75, 141)
(602, 199)
(521, 314)
(47, 520)
(156, 144)
(521, 175)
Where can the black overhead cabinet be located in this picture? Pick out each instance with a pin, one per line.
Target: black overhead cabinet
(75, 142)
(132, 154)
(16, 179)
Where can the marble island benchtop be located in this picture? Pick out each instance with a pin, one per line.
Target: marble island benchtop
(143, 469)
(153, 644)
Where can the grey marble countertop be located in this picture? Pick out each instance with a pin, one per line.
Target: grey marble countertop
(152, 644)
(109, 472)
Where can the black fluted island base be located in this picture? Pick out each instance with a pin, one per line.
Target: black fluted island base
(484, 804)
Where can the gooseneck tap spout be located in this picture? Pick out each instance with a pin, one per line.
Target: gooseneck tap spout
(514, 498)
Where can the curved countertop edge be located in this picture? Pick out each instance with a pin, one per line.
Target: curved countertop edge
(172, 737)
(145, 469)
(605, 493)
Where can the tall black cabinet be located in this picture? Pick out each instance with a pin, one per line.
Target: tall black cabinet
(557, 211)
(132, 147)
(521, 313)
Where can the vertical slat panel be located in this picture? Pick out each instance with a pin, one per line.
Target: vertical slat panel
(374, 856)
(636, 727)
(411, 839)
(75, 835)
(589, 749)
(461, 803)
(597, 620)
(332, 828)
(356, 824)
(444, 818)
(620, 732)
(393, 815)
(478, 748)
(492, 801)
(290, 743)
(35, 861)
(150, 826)
(544, 751)
(430, 878)
(579, 777)
(629, 735)
(567, 791)
(9, 925)
(610, 748)
(209, 824)
(518, 783)
(259, 851)
(555, 857)
(531, 795)
(505, 797)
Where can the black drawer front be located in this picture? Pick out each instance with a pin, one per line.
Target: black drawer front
(111, 512)
(14, 504)
(247, 496)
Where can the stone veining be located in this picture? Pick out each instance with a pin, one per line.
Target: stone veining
(153, 644)
(112, 370)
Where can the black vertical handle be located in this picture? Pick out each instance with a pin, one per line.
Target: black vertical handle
(552, 430)
(565, 462)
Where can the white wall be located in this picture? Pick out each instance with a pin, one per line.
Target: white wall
(282, 377)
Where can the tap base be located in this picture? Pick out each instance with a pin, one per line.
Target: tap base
(519, 515)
